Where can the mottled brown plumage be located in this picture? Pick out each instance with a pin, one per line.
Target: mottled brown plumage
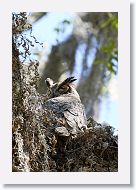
(64, 102)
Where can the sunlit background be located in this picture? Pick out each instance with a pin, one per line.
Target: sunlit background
(83, 45)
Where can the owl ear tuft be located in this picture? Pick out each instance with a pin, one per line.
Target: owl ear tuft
(70, 80)
(49, 82)
(67, 81)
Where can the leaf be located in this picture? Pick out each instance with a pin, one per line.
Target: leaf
(97, 62)
(109, 47)
(111, 21)
(66, 22)
(57, 30)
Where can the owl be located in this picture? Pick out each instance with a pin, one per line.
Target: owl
(64, 102)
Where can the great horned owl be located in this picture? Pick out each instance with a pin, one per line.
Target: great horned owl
(64, 101)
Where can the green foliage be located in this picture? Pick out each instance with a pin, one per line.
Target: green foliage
(111, 21)
(66, 22)
(62, 26)
(110, 49)
(57, 29)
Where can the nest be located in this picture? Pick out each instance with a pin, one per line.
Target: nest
(94, 150)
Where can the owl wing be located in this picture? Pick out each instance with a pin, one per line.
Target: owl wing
(71, 109)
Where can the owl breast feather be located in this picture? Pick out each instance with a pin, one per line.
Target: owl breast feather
(71, 109)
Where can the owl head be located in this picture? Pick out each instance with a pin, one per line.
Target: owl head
(64, 88)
